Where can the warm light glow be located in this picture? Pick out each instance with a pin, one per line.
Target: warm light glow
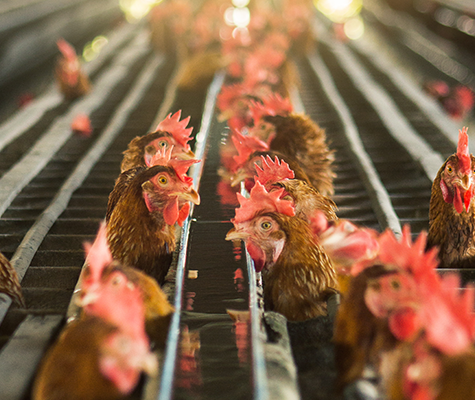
(137, 9)
(354, 28)
(228, 16)
(240, 3)
(241, 17)
(92, 49)
(339, 10)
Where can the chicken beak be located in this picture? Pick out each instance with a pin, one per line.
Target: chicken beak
(87, 299)
(235, 234)
(149, 364)
(191, 195)
(466, 182)
(238, 177)
(187, 155)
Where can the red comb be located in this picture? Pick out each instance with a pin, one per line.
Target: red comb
(448, 313)
(66, 49)
(273, 171)
(82, 125)
(404, 255)
(98, 254)
(261, 201)
(177, 128)
(463, 155)
(246, 145)
(272, 105)
(229, 94)
(163, 157)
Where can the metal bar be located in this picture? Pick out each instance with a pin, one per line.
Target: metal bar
(422, 41)
(168, 372)
(381, 200)
(25, 118)
(410, 89)
(391, 116)
(24, 352)
(13, 181)
(261, 390)
(34, 237)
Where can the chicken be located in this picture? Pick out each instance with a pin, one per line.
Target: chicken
(73, 82)
(277, 174)
(171, 132)
(296, 136)
(377, 313)
(298, 276)
(439, 364)
(10, 282)
(451, 212)
(102, 355)
(347, 245)
(81, 124)
(233, 102)
(457, 101)
(142, 211)
(100, 266)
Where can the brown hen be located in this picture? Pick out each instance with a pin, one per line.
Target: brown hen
(296, 136)
(170, 133)
(142, 211)
(297, 274)
(451, 213)
(9, 282)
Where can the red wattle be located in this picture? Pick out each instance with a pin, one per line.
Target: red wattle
(458, 204)
(467, 198)
(170, 213)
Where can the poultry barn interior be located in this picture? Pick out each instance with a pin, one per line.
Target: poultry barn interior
(209, 274)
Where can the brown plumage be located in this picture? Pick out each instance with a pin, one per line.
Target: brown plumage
(302, 279)
(139, 236)
(359, 336)
(276, 174)
(171, 134)
(75, 357)
(103, 354)
(158, 310)
(298, 137)
(9, 282)
(307, 199)
(297, 274)
(73, 82)
(138, 147)
(452, 212)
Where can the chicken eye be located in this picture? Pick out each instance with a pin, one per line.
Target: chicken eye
(395, 284)
(162, 144)
(117, 280)
(266, 225)
(162, 180)
(449, 169)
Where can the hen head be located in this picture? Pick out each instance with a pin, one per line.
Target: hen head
(98, 257)
(170, 190)
(175, 134)
(347, 245)
(394, 295)
(68, 66)
(125, 353)
(457, 177)
(257, 224)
